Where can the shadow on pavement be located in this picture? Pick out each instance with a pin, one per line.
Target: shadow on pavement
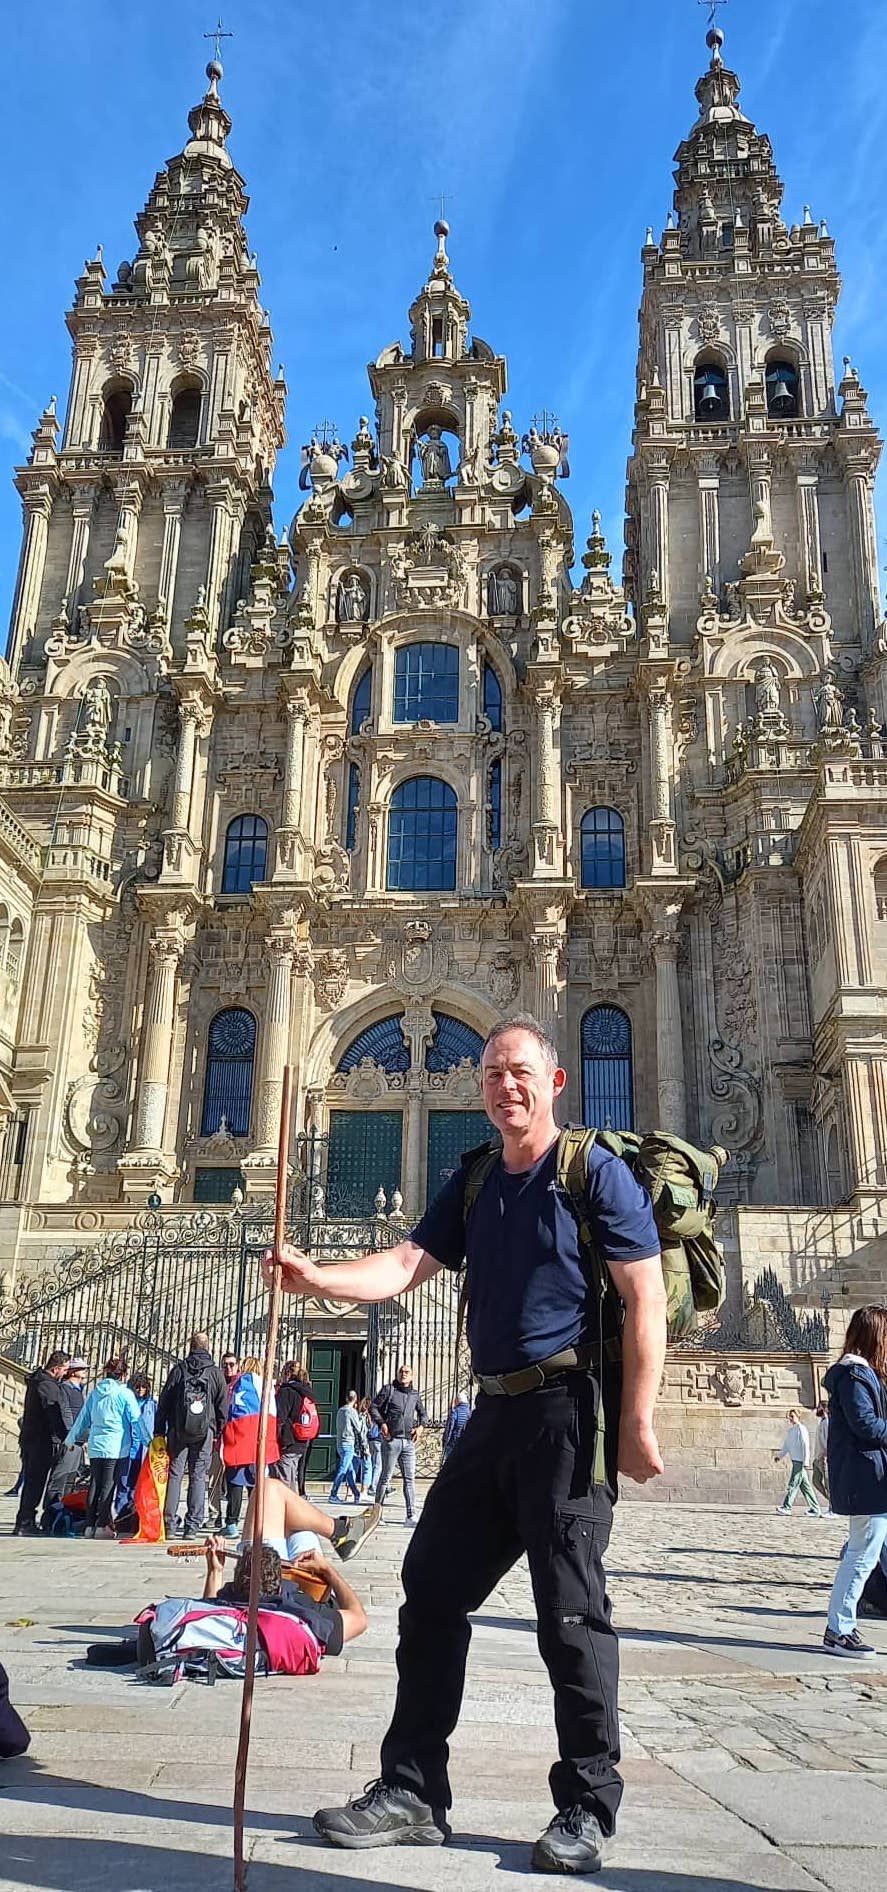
(99, 1865)
(26, 1781)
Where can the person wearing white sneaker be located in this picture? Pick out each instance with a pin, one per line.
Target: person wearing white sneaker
(857, 1469)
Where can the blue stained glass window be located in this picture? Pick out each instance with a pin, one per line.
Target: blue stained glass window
(602, 836)
(246, 850)
(228, 1085)
(426, 683)
(495, 817)
(384, 1042)
(492, 697)
(607, 1087)
(452, 1042)
(352, 806)
(422, 828)
(216, 1185)
(361, 702)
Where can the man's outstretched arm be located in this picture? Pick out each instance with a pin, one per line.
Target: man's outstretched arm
(378, 1277)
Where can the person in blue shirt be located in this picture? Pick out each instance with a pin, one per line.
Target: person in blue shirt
(460, 1413)
(140, 1385)
(110, 1422)
(527, 1477)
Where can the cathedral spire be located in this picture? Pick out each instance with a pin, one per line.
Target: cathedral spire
(725, 177)
(439, 316)
(209, 121)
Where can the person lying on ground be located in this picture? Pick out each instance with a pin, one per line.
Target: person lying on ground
(292, 1524)
(346, 1605)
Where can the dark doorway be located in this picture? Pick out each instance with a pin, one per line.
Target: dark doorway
(336, 1367)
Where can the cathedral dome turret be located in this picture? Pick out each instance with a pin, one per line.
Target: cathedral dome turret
(209, 122)
(439, 316)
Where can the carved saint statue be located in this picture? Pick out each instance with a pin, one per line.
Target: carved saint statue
(830, 705)
(435, 457)
(395, 477)
(767, 689)
(98, 710)
(503, 598)
(353, 600)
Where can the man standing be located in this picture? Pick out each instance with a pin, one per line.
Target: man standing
(347, 1449)
(401, 1417)
(796, 1446)
(68, 1461)
(536, 1468)
(191, 1415)
(43, 1430)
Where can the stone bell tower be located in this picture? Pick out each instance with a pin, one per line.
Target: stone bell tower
(751, 562)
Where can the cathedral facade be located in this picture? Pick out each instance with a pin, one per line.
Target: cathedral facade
(344, 796)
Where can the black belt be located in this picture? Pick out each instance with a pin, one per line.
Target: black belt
(527, 1379)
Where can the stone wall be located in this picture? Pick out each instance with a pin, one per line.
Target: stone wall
(13, 1380)
(840, 1252)
(719, 1420)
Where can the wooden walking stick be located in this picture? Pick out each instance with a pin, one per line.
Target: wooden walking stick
(255, 1576)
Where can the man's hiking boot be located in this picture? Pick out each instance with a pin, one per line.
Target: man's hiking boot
(851, 1645)
(382, 1816)
(572, 1842)
(350, 1533)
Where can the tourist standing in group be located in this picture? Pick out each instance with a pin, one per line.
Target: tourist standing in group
(796, 1446)
(457, 1419)
(399, 1411)
(240, 1439)
(857, 1469)
(192, 1412)
(372, 1465)
(347, 1449)
(819, 1468)
(567, 1387)
(41, 1434)
(298, 1423)
(109, 1422)
(68, 1462)
(140, 1386)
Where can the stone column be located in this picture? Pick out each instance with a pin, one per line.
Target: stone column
(220, 535)
(547, 826)
(659, 704)
(862, 540)
(82, 516)
(657, 473)
(709, 519)
(546, 952)
(808, 532)
(37, 504)
(296, 713)
(866, 1159)
(173, 506)
(129, 499)
(671, 1081)
(152, 1088)
(184, 777)
(275, 1043)
(761, 479)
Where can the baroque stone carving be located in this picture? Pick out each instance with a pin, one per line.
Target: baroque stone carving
(330, 976)
(503, 980)
(429, 570)
(421, 964)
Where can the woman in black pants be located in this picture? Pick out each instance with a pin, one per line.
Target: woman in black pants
(109, 1422)
(293, 1392)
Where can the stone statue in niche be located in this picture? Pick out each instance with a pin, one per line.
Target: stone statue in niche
(434, 455)
(503, 594)
(353, 601)
(829, 706)
(97, 716)
(767, 689)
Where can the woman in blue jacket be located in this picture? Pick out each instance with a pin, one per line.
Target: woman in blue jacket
(110, 1419)
(857, 1469)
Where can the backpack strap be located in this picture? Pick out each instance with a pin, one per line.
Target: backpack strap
(573, 1150)
(479, 1164)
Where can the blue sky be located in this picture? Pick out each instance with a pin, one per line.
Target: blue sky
(549, 124)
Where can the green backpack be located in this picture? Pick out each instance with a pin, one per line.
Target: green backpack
(680, 1181)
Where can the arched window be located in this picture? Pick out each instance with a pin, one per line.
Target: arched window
(246, 851)
(494, 817)
(384, 1042)
(228, 1085)
(492, 697)
(422, 837)
(711, 394)
(352, 803)
(607, 1088)
(361, 702)
(602, 840)
(426, 683)
(184, 418)
(783, 389)
(115, 414)
(15, 951)
(452, 1042)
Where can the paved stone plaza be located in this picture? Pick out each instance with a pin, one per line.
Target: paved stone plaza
(751, 1760)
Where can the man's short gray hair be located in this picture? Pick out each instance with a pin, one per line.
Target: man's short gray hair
(524, 1021)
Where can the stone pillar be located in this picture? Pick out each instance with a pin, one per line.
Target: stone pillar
(860, 522)
(220, 536)
(184, 778)
(656, 577)
(274, 1046)
(546, 950)
(866, 1159)
(547, 826)
(671, 1081)
(37, 504)
(296, 713)
(662, 830)
(152, 1087)
(709, 519)
(173, 506)
(129, 501)
(761, 481)
(82, 515)
(809, 534)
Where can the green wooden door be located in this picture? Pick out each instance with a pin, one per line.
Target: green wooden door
(450, 1132)
(364, 1156)
(325, 1368)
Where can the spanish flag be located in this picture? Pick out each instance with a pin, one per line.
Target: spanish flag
(150, 1494)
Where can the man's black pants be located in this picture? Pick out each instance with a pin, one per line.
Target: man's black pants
(519, 1479)
(36, 1466)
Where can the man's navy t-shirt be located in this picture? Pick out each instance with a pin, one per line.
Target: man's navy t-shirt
(528, 1296)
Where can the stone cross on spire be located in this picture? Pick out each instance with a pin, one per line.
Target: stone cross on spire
(219, 33)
